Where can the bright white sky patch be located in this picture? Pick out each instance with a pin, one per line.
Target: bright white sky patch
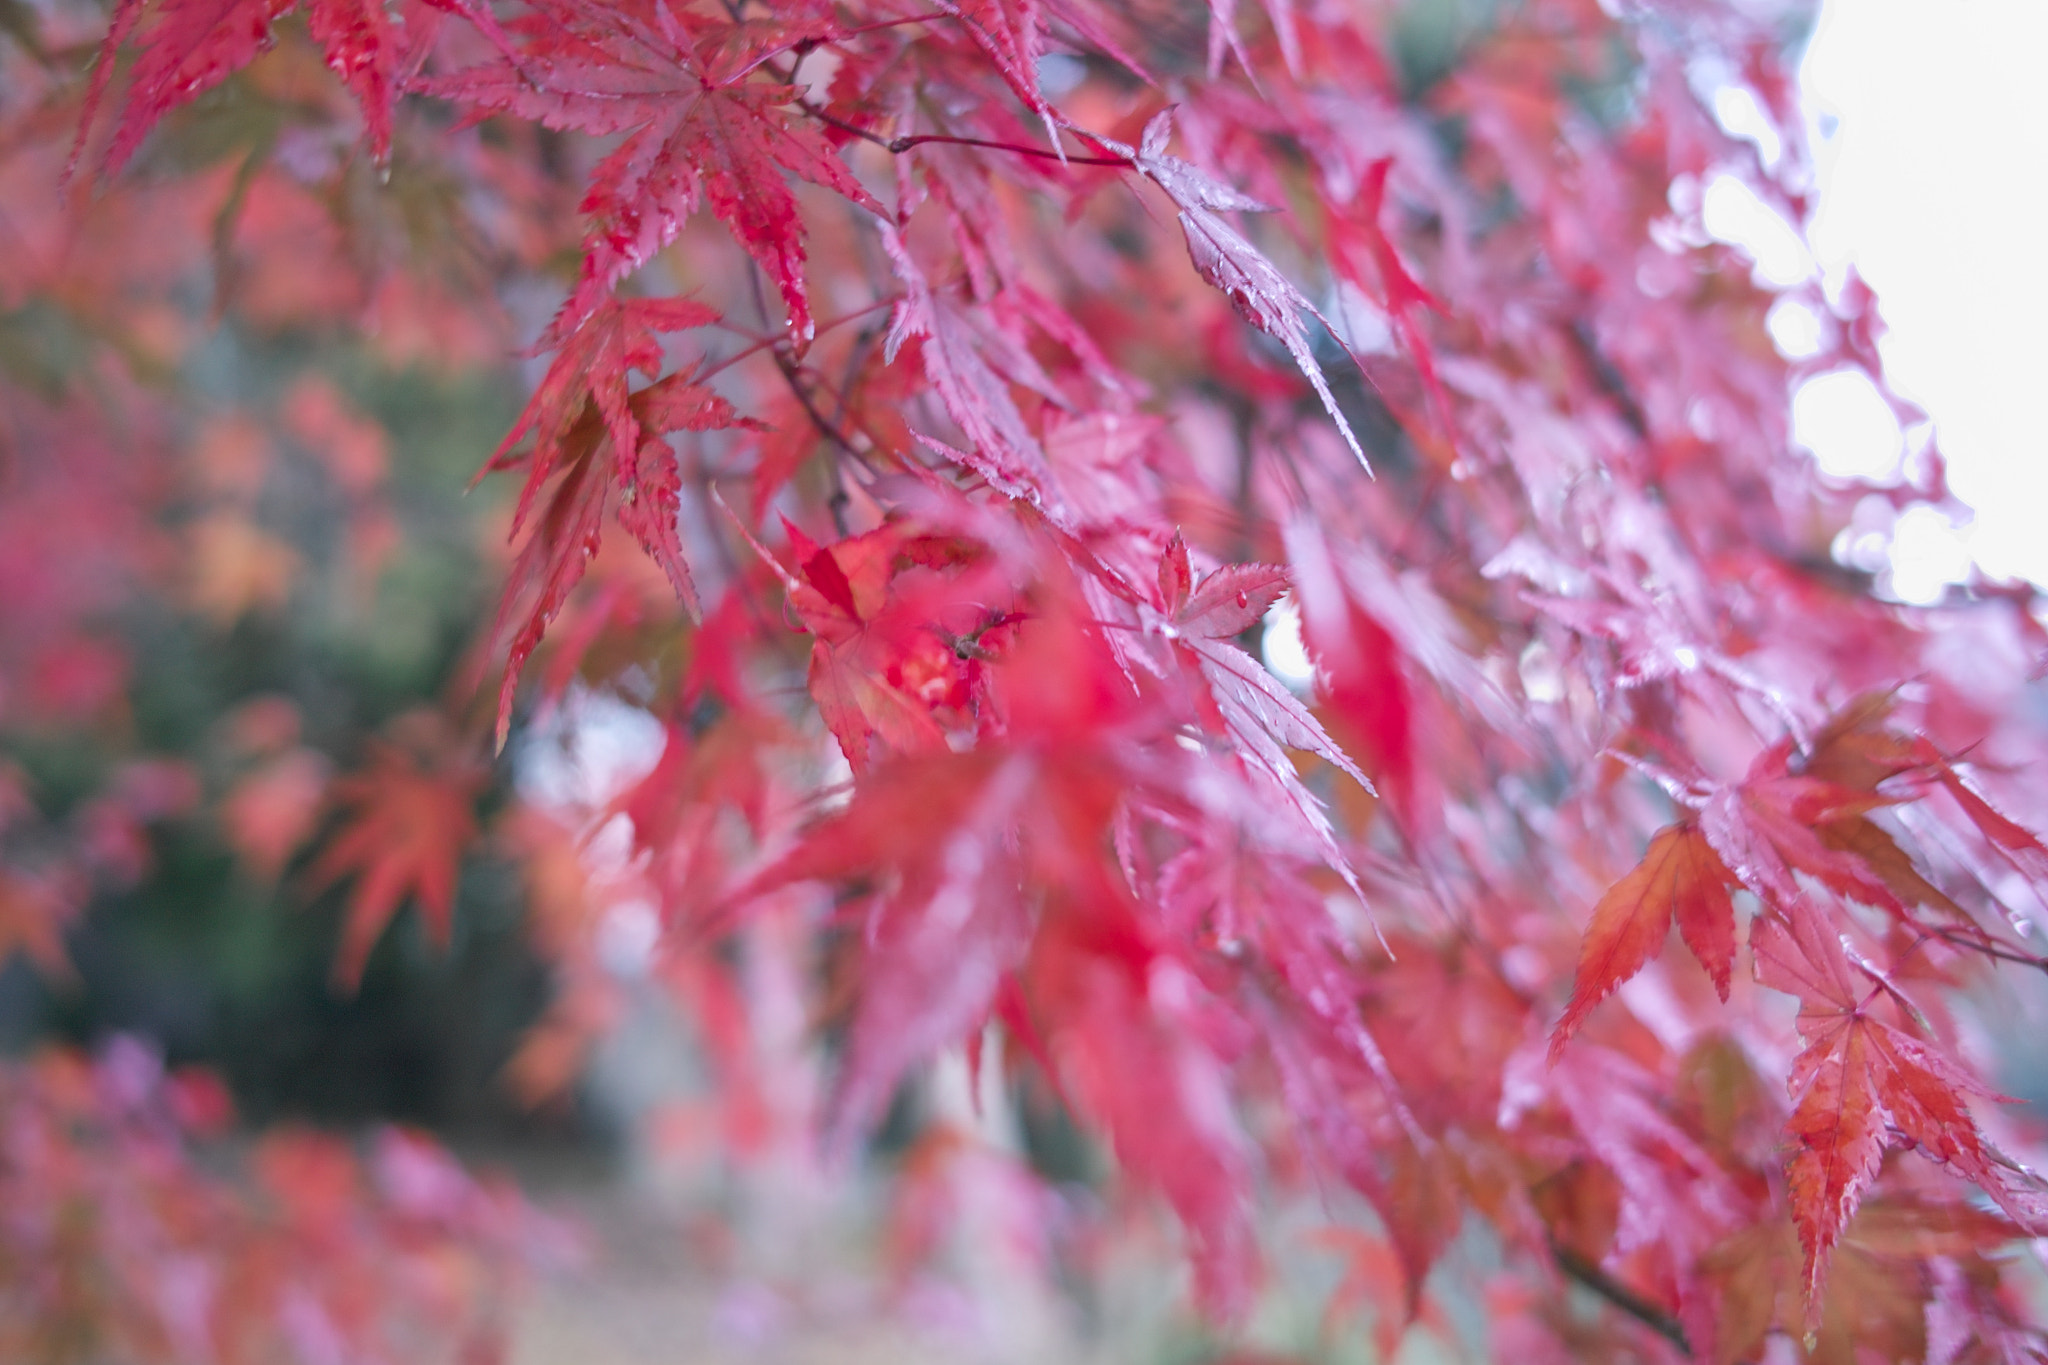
(1734, 212)
(587, 750)
(1281, 643)
(1737, 109)
(1931, 134)
(1842, 418)
(1795, 329)
(1927, 555)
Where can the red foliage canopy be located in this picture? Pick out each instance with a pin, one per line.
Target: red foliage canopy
(970, 693)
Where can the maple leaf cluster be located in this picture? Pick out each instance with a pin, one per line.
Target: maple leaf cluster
(119, 1245)
(943, 504)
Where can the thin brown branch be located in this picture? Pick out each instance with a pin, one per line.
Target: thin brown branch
(852, 129)
(1591, 1276)
(748, 352)
(1989, 947)
(904, 144)
(933, 17)
(826, 427)
(839, 501)
(899, 145)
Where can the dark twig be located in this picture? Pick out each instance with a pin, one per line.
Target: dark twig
(767, 343)
(904, 144)
(899, 145)
(830, 430)
(1989, 947)
(1591, 1276)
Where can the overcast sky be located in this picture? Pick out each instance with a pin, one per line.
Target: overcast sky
(1930, 126)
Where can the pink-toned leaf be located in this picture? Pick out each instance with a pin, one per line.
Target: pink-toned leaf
(1232, 600)
(593, 439)
(697, 133)
(361, 48)
(1255, 287)
(410, 820)
(1176, 578)
(187, 48)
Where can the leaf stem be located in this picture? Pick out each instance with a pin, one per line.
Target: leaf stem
(747, 352)
(826, 427)
(904, 144)
(899, 145)
(1989, 947)
(880, 24)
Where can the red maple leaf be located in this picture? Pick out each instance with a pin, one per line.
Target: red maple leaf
(1808, 810)
(1679, 879)
(954, 851)
(1096, 986)
(594, 438)
(1002, 448)
(190, 46)
(1230, 600)
(1012, 34)
(362, 49)
(1404, 295)
(898, 642)
(1863, 1084)
(1254, 706)
(410, 819)
(1262, 296)
(698, 128)
(1240, 699)
(1362, 676)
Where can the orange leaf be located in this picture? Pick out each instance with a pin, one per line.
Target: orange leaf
(270, 812)
(32, 915)
(1679, 879)
(1858, 1082)
(410, 822)
(1840, 1128)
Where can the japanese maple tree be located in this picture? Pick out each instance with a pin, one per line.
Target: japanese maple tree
(940, 414)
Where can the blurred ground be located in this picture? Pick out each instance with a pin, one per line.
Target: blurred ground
(651, 1289)
(693, 1257)
(658, 1284)
(642, 1304)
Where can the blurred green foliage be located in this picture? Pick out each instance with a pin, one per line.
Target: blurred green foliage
(201, 956)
